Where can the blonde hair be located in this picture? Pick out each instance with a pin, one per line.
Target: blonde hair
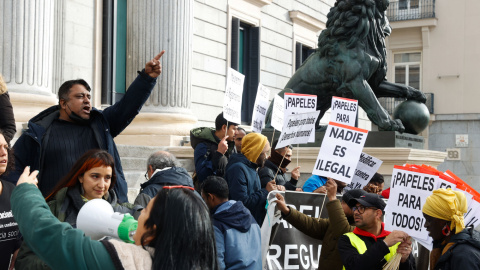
(3, 85)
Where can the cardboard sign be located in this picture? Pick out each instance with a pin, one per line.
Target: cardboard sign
(340, 152)
(232, 103)
(366, 168)
(344, 111)
(260, 108)
(300, 103)
(408, 193)
(277, 113)
(298, 129)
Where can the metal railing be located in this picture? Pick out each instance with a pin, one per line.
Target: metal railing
(391, 103)
(401, 10)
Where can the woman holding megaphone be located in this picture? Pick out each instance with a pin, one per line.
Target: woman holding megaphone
(174, 232)
(91, 177)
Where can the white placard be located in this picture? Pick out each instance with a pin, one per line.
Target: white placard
(344, 111)
(277, 113)
(232, 103)
(300, 103)
(260, 108)
(340, 151)
(472, 217)
(366, 168)
(408, 194)
(298, 129)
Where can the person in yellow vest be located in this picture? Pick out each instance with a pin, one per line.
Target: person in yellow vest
(370, 246)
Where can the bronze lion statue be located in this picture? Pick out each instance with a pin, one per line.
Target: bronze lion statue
(350, 62)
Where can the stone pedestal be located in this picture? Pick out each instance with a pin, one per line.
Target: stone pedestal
(154, 26)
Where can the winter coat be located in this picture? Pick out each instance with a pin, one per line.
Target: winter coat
(208, 161)
(373, 258)
(65, 206)
(172, 176)
(7, 120)
(106, 125)
(62, 247)
(244, 185)
(237, 236)
(326, 229)
(463, 254)
(267, 173)
(313, 183)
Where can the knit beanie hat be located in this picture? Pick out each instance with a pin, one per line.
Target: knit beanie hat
(252, 145)
(353, 194)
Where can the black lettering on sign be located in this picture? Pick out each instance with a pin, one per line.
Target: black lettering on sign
(346, 135)
(405, 221)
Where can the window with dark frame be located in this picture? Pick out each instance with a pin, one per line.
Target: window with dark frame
(302, 52)
(245, 58)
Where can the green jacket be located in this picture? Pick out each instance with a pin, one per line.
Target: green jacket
(65, 206)
(326, 229)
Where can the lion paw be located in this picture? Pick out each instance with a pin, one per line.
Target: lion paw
(414, 94)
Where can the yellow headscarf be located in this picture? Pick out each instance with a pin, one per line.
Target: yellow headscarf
(252, 145)
(447, 204)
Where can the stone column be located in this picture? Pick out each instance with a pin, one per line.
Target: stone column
(152, 26)
(26, 55)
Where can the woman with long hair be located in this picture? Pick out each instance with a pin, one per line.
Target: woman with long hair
(454, 245)
(174, 232)
(10, 241)
(91, 177)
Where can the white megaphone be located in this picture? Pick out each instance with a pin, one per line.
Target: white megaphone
(97, 219)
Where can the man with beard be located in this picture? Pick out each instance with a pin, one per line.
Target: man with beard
(242, 177)
(276, 167)
(339, 221)
(370, 246)
(59, 135)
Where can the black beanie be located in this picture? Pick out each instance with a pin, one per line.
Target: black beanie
(353, 194)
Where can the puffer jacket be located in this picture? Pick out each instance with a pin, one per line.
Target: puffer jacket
(65, 206)
(61, 246)
(463, 254)
(208, 161)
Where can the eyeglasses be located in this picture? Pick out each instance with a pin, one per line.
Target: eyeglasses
(146, 176)
(361, 209)
(172, 187)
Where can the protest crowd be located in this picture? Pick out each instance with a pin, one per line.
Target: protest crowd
(232, 209)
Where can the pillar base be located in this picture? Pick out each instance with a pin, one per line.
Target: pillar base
(157, 129)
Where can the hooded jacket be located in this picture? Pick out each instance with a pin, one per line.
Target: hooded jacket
(237, 236)
(62, 247)
(172, 176)
(244, 185)
(208, 161)
(267, 173)
(106, 125)
(463, 254)
(65, 206)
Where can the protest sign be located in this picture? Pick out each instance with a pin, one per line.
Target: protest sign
(409, 191)
(344, 111)
(297, 129)
(277, 113)
(232, 102)
(290, 248)
(340, 152)
(300, 103)
(260, 108)
(366, 168)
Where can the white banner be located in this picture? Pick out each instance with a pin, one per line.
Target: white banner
(408, 193)
(298, 129)
(277, 113)
(260, 108)
(366, 168)
(232, 103)
(344, 111)
(340, 151)
(300, 103)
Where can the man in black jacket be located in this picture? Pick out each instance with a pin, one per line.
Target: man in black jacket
(370, 246)
(162, 170)
(59, 135)
(276, 163)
